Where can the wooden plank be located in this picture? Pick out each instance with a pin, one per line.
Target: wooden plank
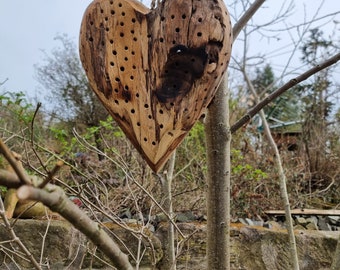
(317, 212)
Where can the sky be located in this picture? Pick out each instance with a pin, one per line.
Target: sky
(29, 27)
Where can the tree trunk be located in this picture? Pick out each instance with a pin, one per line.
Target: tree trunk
(169, 258)
(218, 196)
(282, 178)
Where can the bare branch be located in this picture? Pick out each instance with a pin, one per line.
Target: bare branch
(247, 117)
(51, 174)
(246, 17)
(282, 178)
(14, 163)
(55, 198)
(9, 179)
(15, 238)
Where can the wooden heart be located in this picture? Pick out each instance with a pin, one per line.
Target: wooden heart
(155, 70)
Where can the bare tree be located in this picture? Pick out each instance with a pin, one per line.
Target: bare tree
(69, 93)
(218, 139)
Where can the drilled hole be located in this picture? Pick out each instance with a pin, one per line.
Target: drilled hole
(199, 34)
(126, 59)
(134, 39)
(161, 40)
(116, 90)
(117, 79)
(150, 116)
(107, 29)
(184, 16)
(200, 19)
(121, 24)
(132, 31)
(123, 13)
(91, 39)
(112, 12)
(120, 4)
(101, 11)
(114, 52)
(111, 41)
(172, 16)
(122, 68)
(145, 139)
(153, 143)
(126, 48)
(112, 64)
(106, 18)
(91, 22)
(161, 126)
(116, 101)
(161, 111)
(126, 87)
(126, 101)
(134, 67)
(133, 111)
(133, 20)
(131, 77)
(137, 95)
(122, 34)
(146, 106)
(138, 124)
(177, 29)
(133, 53)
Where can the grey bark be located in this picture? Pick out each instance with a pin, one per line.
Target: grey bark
(282, 178)
(218, 195)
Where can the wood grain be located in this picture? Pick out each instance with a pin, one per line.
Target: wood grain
(156, 70)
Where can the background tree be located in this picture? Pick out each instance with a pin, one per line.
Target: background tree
(67, 90)
(319, 97)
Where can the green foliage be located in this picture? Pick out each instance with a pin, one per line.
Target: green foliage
(242, 169)
(15, 105)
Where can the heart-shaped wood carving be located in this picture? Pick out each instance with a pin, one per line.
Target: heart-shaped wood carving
(155, 70)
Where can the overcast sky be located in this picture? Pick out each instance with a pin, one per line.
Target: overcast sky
(28, 27)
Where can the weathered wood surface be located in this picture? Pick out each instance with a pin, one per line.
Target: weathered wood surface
(156, 70)
(317, 212)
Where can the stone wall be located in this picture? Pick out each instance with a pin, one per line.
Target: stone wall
(253, 248)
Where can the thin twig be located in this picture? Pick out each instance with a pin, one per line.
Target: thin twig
(32, 136)
(247, 117)
(55, 198)
(44, 236)
(15, 238)
(14, 163)
(51, 174)
(246, 17)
